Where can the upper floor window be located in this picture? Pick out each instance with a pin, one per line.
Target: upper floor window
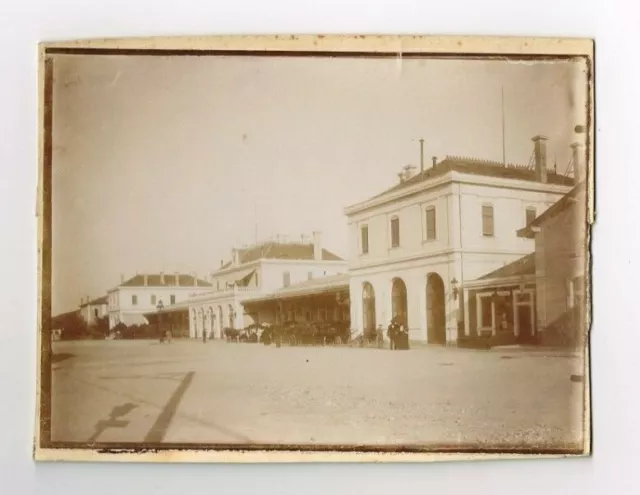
(134, 299)
(430, 215)
(395, 232)
(172, 299)
(530, 215)
(153, 299)
(364, 233)
(487, 220)
(286, 279)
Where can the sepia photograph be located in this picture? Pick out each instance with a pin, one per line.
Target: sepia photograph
(261, 245)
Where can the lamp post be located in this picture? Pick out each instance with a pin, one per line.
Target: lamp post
(454, 288)
(160, 307)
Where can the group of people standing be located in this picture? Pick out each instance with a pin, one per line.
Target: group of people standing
(398, 335)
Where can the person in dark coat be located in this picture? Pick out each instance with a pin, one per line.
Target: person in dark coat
(402, 338)
(391, 333)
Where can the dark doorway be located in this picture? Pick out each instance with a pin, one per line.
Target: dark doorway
(399, 301)
(436, 321)
(525, 328)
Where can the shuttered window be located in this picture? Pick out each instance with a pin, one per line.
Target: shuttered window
(395, 232)
(487, 220)
(430, 214)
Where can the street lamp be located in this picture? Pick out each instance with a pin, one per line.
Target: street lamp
(454, 287)
(160, 307)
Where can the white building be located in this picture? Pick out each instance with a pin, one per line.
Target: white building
(92, 310)
(253, 272)
(128, 302)
(413, 247)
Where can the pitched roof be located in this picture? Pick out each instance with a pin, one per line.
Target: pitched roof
(244, 281)
(280, 251)
(477, 166)
(559, 206)
(96, 302)
(155, 280)
(522, 266)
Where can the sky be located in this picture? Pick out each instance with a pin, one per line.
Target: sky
(167, 163)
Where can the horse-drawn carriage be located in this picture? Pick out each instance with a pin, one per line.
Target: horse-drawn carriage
(307, 333)
(250, 334)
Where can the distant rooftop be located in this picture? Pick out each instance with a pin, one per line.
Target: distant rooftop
(280, 250)
(96, 302)
(170, 280)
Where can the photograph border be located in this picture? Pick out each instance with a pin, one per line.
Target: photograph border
(369, 46)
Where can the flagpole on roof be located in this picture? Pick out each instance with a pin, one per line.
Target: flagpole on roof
(504, 153)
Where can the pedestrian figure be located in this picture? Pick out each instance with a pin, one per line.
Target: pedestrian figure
(380, 336)
(402, 338)
(391, 333)
(204, 337)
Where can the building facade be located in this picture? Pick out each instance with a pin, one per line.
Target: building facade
(415, 246)
(92, 310)
(253, 272)
(560, 236)
(128, 302)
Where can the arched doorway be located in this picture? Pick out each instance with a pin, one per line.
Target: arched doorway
(368, 308)
(399, 302)
(194, 317)
(221, 322)
(232, 317)
(436, 321)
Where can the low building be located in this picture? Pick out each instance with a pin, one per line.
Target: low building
(128, 302)
(414, 247)
(561, 267)
(256, 271)
(501, 307)
(92, 310)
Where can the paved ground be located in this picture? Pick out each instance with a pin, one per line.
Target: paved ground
(136, 391)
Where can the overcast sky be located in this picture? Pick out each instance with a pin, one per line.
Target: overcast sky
(161, 163)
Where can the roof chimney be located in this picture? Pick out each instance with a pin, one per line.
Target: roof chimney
(146, 280)
(421, 155)
(540, 156)
(434, 160)
(576, 158)
(317, 245)
(221, 263)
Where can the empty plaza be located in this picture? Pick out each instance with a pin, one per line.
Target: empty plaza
(231, 393)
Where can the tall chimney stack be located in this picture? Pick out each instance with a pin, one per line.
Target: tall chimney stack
(576, 158)
(317, 245)
(540, 155)
(421, 155)
(434, 159)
